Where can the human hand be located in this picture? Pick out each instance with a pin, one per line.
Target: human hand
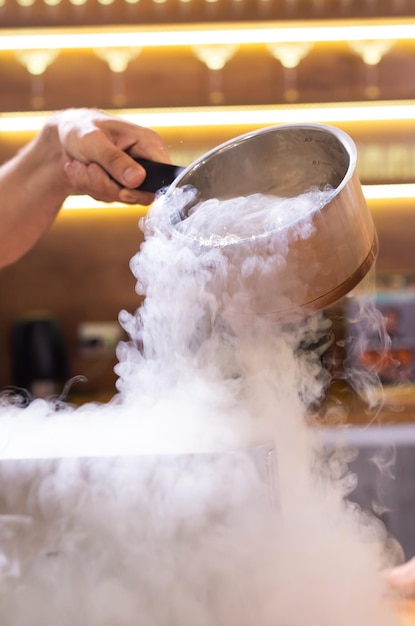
(401, 579)
(96, 148)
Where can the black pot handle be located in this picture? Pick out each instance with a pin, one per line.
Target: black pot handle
(159, 175)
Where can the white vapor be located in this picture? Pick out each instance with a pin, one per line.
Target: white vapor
(196, 496)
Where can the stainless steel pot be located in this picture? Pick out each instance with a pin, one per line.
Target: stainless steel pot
(318, 258)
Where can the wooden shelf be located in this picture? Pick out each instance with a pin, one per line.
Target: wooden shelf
(174, 11)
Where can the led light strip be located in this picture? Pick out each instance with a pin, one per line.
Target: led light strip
(403, 191)
(387, 111)
(200, 34)
(371, 193)
(86, 202)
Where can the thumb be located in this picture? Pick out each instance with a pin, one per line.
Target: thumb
(123, 168)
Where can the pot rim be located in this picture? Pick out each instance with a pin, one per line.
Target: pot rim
(173, 216)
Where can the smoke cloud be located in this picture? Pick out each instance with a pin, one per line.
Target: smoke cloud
(197, 496)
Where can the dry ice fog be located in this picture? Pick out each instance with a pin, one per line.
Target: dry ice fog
(198, 496)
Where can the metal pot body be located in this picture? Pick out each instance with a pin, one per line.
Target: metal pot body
(309, 263)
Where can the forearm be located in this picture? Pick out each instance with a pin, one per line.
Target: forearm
(33, 186)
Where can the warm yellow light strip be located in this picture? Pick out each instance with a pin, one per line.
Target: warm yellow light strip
(389, 192)
(85, 202)
(371, 192)
(198, 34)
(307, 113)
(386, 111)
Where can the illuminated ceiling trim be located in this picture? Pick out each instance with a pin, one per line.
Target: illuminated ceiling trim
(201, 117)
(70, 38)
(371, 192)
